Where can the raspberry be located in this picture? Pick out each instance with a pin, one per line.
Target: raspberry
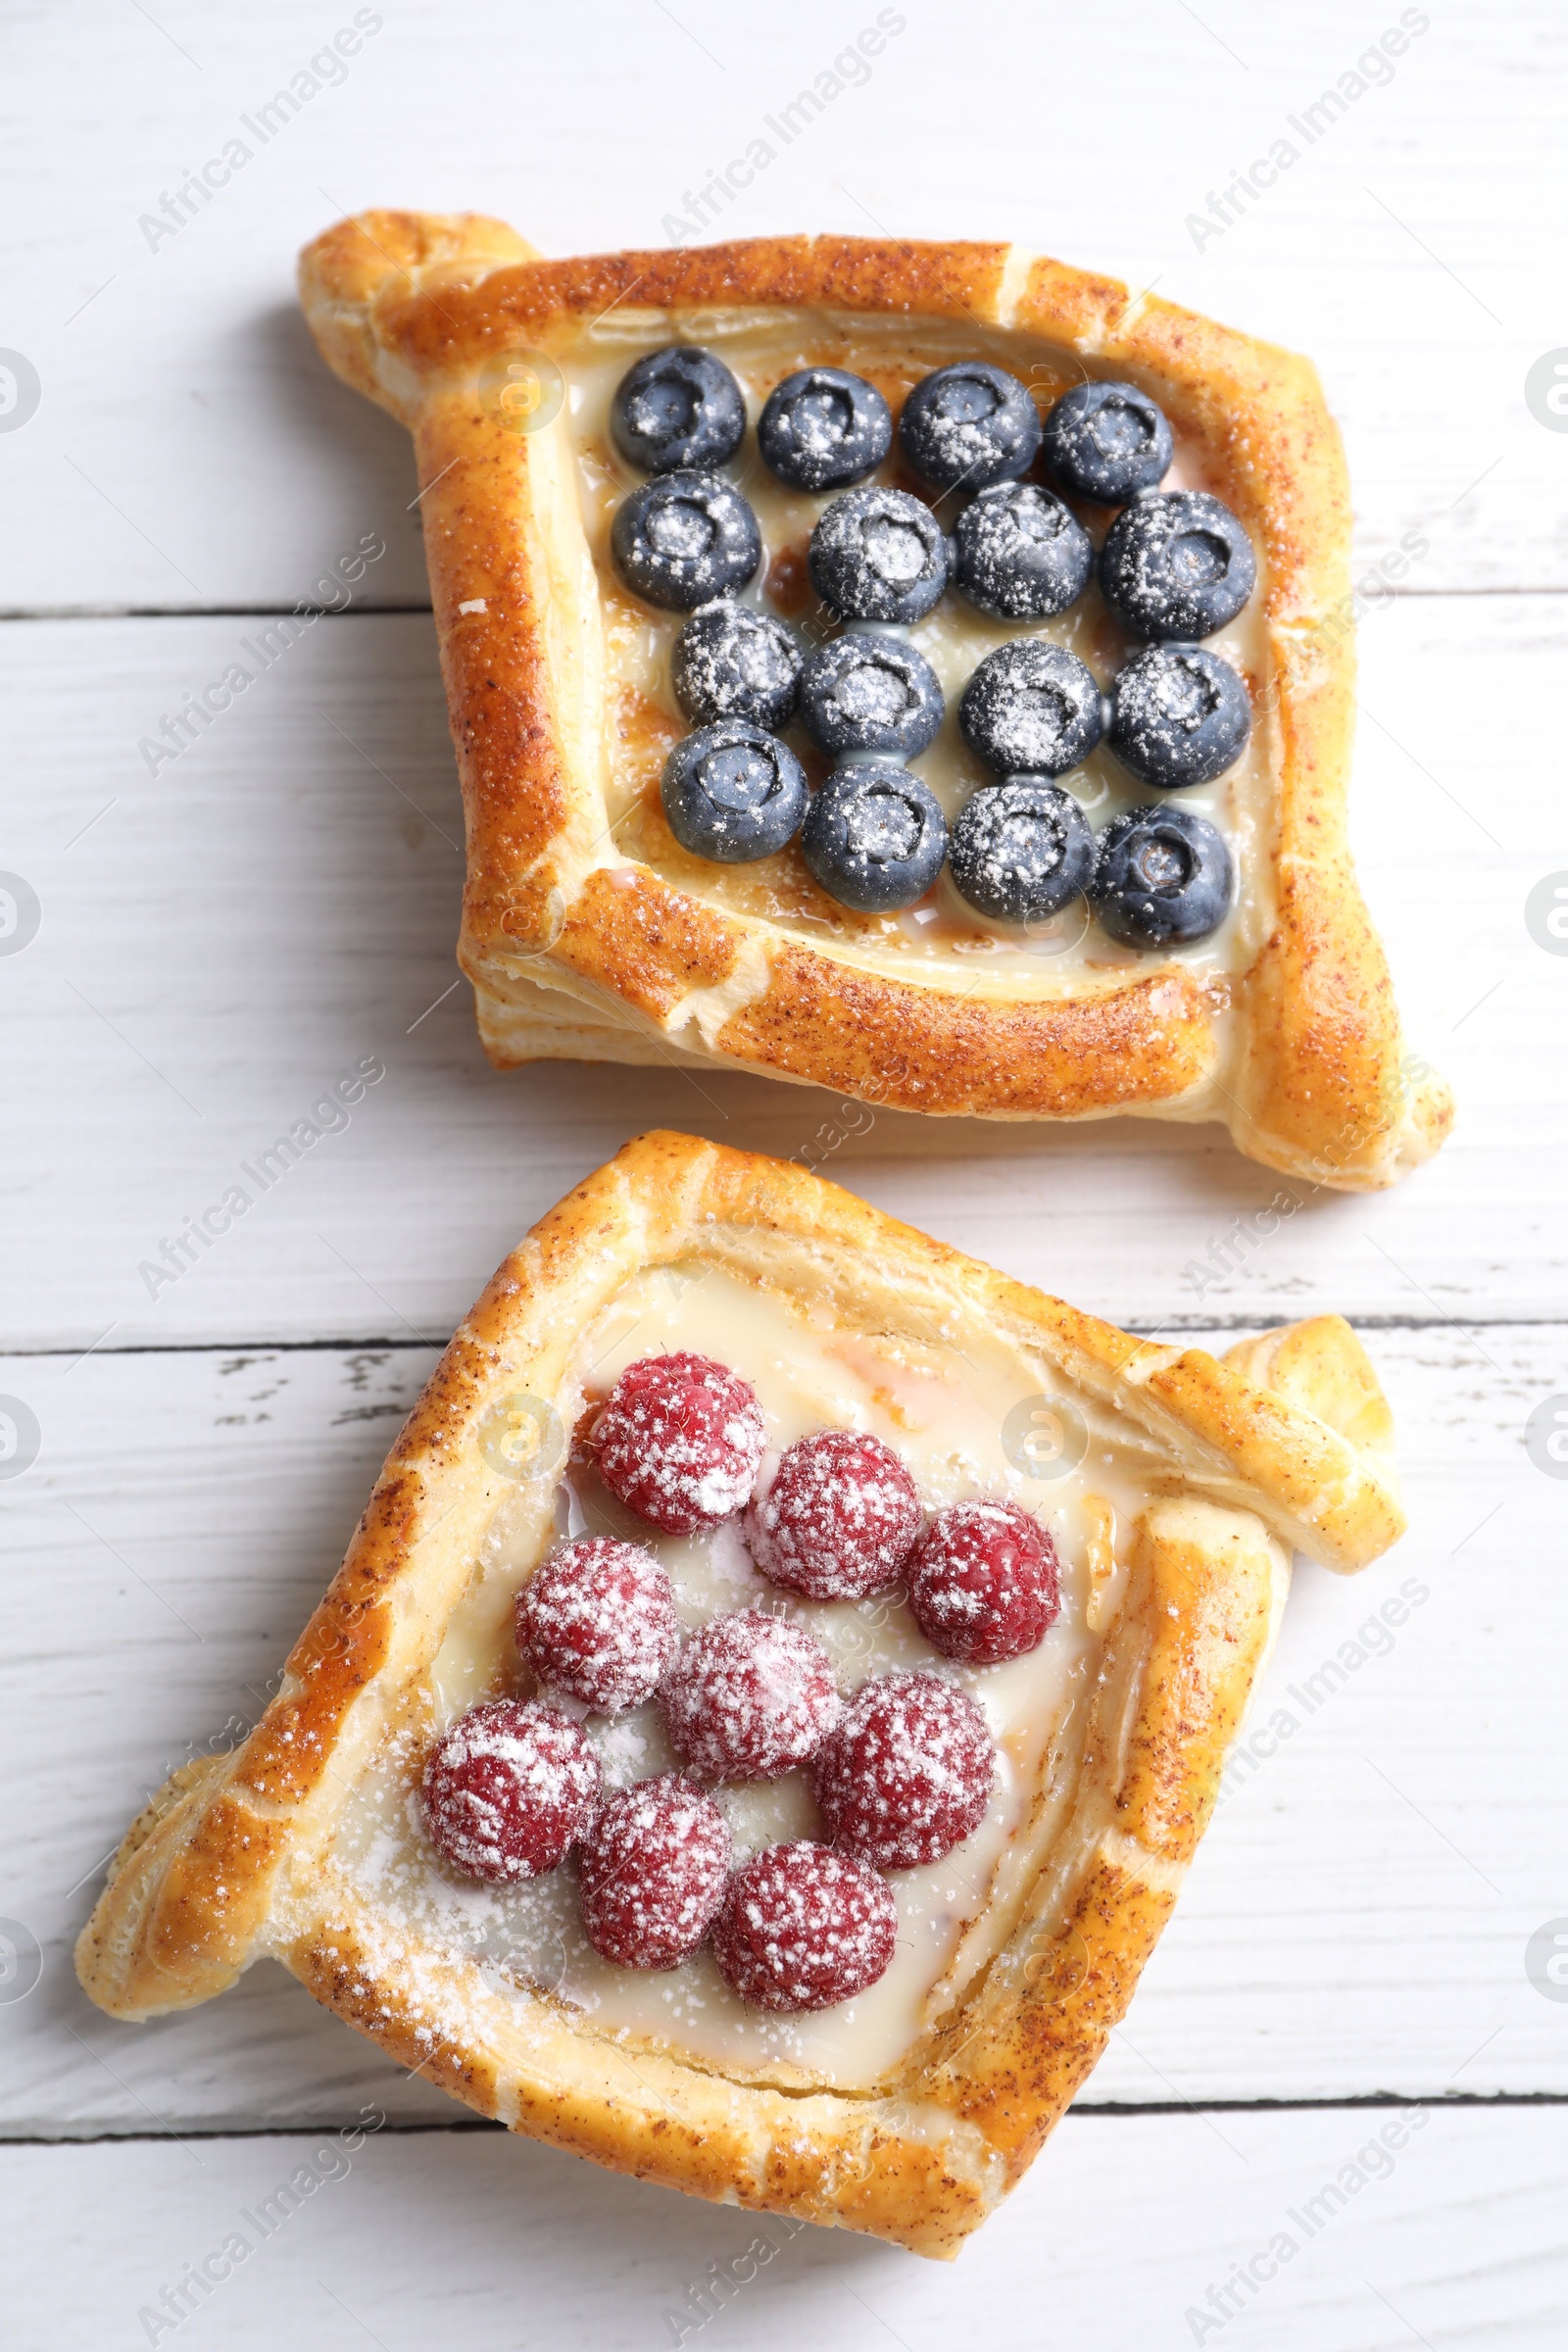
(802, 1926)
(597, 1620)
(984, 1582)
(908, 1773)
(507, 1789)
(750, 1697)
(839, 1519)
(655, 1866)
(679, 1442)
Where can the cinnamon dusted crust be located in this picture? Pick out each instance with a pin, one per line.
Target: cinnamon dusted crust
(579, 949)
(1285, 1445)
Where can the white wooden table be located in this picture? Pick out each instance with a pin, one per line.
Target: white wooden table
(1347, 1982)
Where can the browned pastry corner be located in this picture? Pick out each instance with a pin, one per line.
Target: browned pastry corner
(246, 1856)
(586, 931)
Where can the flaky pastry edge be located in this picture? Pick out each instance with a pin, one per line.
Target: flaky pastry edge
(576, 950)
(1285, 1445)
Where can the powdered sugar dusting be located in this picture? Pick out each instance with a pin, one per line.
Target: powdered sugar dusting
(654, 1872)
(940, 1404)
(748, 1696)
(598, 1620)
(1031, 708)
(507, 1789)
(1022, 851)
(804, 1928)
(908, 1773)
(680, 1441)
(733, 662)
(1022, 554)
(839, 1519)
(984, 1582)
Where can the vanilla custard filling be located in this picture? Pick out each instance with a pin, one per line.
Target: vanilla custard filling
(642, 717)
(944, 1404)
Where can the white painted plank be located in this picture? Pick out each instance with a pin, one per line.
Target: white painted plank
(223, 941)
(268, 912)
(1356, 1920)
(189, 450)
(1117, 2238)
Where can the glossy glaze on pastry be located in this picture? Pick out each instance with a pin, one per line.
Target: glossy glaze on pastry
(588, 933)
(910, 2111)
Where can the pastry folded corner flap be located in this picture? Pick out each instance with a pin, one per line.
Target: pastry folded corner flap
(1165, 1491)
(605, 442)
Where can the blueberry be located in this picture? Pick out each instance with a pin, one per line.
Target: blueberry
(677, 408)
(878, 554)
(866, 693)
(1178, 565)
(1179, 716)
(1021, 849)
(823, 428)
(1162, 878)
(1019, 554)
(874, 837)
(1031, 708)
(971, 424)
(733, 792)
(685, 538)
(731, 663)
(1107, 441)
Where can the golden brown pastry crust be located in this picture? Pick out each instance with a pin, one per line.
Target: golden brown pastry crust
(232, 1861)
(1306, 1068)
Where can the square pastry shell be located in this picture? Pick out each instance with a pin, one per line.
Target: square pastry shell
(1284, 1446)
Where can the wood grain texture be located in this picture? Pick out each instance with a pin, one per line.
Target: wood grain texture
(191, 451)
(230, 936)
(267, 910)
(1355, 1920)
(1452, 2237)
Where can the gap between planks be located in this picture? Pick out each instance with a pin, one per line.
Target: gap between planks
(1185, 1325)
(1114, 2109)
(365, 609)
